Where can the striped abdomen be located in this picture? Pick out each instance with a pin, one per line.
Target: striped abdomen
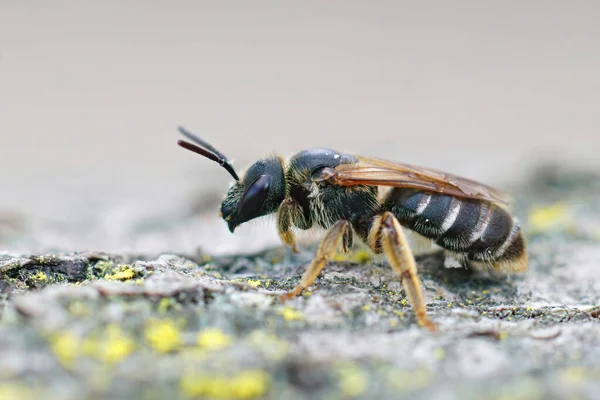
(481, 230)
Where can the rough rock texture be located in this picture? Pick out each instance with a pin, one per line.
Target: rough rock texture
(93, 325)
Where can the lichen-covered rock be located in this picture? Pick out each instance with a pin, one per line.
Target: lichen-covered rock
(96, 325)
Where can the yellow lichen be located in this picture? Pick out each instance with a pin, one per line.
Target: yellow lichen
(79, 309)
(121, 273)
(39, 276)
(195, 354)
(352, 381)
(290, 314)
(362, 256)
(165, 304)
(410, 380)
(246, 385)
(253, 282)
(339, 257)
(359, 256)
(11, 391)
(101, 379)
(163, 336)
(574, 375)
(439, 353)
(273, 347)
(544, 218)
(66, 347)
(404, 302)
(112, 347)
(213, 339)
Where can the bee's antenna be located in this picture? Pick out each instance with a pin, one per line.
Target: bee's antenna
(205, 149)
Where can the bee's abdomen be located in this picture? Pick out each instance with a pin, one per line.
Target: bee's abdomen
(483, 231)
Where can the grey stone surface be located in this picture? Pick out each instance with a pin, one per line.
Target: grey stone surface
(103, 325)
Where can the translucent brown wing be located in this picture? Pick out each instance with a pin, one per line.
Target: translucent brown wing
(372, 171)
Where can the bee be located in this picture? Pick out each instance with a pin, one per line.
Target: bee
(344, 194)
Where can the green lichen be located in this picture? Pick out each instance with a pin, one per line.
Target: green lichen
(102, 267)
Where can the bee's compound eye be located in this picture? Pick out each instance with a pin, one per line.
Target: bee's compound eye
(255, 196)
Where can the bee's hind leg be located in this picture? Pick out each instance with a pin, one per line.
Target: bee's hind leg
(402, 261)
(327, 249)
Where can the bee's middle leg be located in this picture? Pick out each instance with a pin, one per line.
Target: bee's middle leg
(402, 261)
(327, 249)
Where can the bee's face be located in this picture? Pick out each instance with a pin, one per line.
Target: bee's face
(259, 193)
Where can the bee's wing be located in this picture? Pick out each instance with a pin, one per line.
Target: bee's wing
(371, 171)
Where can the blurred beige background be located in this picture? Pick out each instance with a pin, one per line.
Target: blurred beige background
(91, 94)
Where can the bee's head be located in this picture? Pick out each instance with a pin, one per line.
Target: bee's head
(259, 193)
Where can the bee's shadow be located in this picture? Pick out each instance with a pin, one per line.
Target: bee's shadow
(279, 262)
(464, 280)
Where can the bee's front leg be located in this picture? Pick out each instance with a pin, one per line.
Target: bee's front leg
(403, 262)
(288, 210)
(327, 249)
